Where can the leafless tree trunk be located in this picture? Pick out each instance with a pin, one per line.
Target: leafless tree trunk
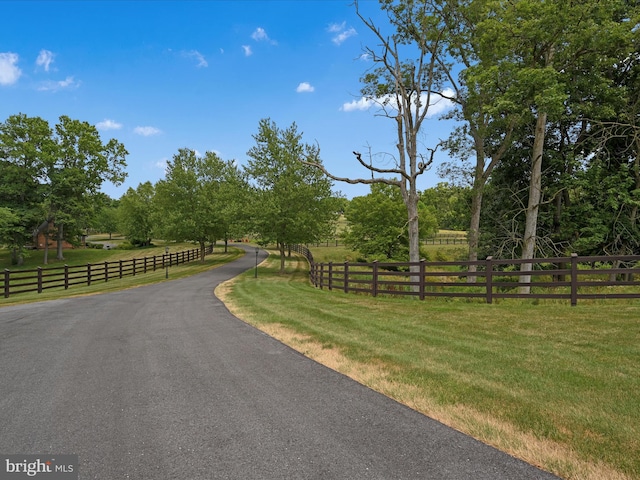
(535, 194)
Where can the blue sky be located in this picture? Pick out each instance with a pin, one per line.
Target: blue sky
(164, 75)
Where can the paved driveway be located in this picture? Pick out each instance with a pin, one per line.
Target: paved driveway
(162, 382)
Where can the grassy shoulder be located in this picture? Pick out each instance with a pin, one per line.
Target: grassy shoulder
(555, 385)
(84, 256)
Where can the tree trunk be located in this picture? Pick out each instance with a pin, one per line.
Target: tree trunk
(202, 251)
(60, 240)
(535, 194)
(474, 226)
(45, 260)
(413, 229)
(282, 253)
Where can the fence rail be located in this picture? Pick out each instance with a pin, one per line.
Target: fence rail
(437, 240)
(40, 279)
(570, 278)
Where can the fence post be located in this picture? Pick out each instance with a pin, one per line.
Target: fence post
(574, 279)
(422, 286)
(374, 286)
(330, 275)
(489, 279)
(145, 265)
(7, 274)
(346, 277)
(120, 268)
(134, 267)
(66, 276)
(88, 274)
(39, 279)
(106, 271)
(321, 271)
(314, 270)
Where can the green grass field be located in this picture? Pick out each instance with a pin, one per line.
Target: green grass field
(555, 385)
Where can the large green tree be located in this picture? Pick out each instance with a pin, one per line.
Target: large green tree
(51, 176)
(233, 201)
(26, 147)
(292, 201)
(136, 214)
(74, 176)
(188, 201)
(550, 59)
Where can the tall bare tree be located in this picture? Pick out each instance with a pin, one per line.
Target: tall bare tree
(403, 83)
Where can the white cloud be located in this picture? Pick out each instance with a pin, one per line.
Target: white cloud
(360, 104)
(198, 57)
(305, 87)
(342, 36)
(247, 50)
(336, 27)
(45, 59)
(9, 71)
(260, 35)
(438, 104)
(51, 86)
(107, 124)
(146, 131)
(341, 32)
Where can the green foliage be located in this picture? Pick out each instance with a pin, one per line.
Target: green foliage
(187, 202)
(377, 223)
(135, 214)
(52, 175)
(451, 205)
(291, 202)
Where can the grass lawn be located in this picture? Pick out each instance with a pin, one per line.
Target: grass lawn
(82, 256)
(555, 385)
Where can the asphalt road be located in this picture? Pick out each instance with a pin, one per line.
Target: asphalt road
(162, 382)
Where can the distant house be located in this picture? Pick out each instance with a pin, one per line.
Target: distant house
(39, 239)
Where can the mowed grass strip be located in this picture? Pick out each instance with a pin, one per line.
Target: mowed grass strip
(555, 385)
(77, 257)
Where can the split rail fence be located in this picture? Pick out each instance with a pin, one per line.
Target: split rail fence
(570, 278)
(14, 282)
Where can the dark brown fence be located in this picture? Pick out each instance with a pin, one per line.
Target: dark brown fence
(570, 278)
(437, 240)
(39, 279)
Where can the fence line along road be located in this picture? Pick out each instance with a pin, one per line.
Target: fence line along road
(439, 240)
(39, 279)
(569, 278)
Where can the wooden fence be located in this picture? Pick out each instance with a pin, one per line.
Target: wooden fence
(40, 279)
(437, 240)
(570, 278)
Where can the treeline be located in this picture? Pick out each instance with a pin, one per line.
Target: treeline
(49, 183)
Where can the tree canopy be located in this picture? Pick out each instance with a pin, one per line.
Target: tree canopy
(292, 202)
